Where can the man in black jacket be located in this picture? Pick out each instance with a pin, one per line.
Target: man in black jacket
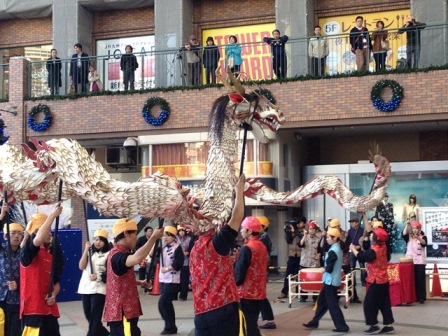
(79, 69)
(361, 44)
(413, 31)
(279, 60)
(128, 65)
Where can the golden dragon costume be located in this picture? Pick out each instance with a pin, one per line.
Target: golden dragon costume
(32, 175)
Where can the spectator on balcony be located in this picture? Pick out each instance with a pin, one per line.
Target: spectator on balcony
(379, 38)
(54, 67)
(210, 58)
(413, 31)
(361, 44)
(193, 61)
(233, 55)
(318, 52)
(94, 80)
(278, 52)
(128, 64)
(79, 69)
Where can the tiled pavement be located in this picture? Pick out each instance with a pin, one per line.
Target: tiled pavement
(429, 319)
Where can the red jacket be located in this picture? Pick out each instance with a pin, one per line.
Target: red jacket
(377, 269)
(254, 285)
(212, 279)
(121, 291)
(34, 282)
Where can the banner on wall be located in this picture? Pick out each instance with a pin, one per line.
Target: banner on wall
(341, 59)
(435, 227)
(143, 47)
(257, 58)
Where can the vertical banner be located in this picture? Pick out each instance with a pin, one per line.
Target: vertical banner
(341, 59)
(143, 48)
(257, 58)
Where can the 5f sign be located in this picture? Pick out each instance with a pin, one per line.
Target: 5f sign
(332, 28)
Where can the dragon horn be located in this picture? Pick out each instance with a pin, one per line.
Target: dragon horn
(238, 87)
(224, 81)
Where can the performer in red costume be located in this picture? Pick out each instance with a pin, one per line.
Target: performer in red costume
(215, 296)
(122, 308)
(377, 296)
(250, 273)
(38, 309)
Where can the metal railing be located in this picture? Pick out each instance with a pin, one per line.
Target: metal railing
(4, 81)
(168, 68)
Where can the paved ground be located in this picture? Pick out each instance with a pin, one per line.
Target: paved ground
(429, 319)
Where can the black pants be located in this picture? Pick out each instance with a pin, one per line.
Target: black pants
(129, 79)
(184, 281)
(223, 321)
(12, 325)
(328, 301)
(93, 305)
(292, 267)
(279, 65)
(166, 307)
(420, 282)
(266, 310)
(251, 310)
(210, 73)
(378, 299)
(380, 60)
(194, 71)
(318, 65)
(117, 328)
(353, 261)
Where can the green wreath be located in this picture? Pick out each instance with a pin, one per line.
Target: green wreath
(397, 95)
(267, 94)
(164, 113)
(45, 124)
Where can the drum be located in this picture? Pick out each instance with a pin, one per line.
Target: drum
(311, 274)
(406, 260)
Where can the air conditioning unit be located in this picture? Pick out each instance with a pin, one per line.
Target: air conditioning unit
(125, 156)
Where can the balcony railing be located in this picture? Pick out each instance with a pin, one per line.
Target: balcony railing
(170, 68)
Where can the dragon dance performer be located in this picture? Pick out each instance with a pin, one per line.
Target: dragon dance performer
(38, 309)
(9, 277)
(123, 308)
(92, 285)
(215, 295)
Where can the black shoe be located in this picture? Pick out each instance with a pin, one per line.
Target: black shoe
(355, 301)
(373, 330)
(168, 332)
(421, 301)
(387, 330)
(268, 325)
(310, 326)
(302, 300)
(341, 330)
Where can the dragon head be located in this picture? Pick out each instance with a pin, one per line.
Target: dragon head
(254, 109)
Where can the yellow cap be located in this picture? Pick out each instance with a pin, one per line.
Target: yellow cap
(13, 227)
(101, 233)
(122, 225)
(377, 224)
(335, 232)
(180, 227)
(170, 229)
(335, 223)
(35, 222)
(263, 221)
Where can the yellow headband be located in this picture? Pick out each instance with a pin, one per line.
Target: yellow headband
(35, 222)
(13, 227)
(170, 229)
(101, 233)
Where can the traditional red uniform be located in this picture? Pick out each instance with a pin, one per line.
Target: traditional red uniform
(121, 292)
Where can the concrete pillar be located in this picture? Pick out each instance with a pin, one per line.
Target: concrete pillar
(173, 26)
(296, 18)
(18, 89)
(434, 43)
(72, 24)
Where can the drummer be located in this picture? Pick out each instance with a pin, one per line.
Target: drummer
(309, 244)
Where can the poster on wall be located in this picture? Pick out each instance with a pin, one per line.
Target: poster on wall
(256, 55)
(108, 62)
(337, 31)
(435, 225)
